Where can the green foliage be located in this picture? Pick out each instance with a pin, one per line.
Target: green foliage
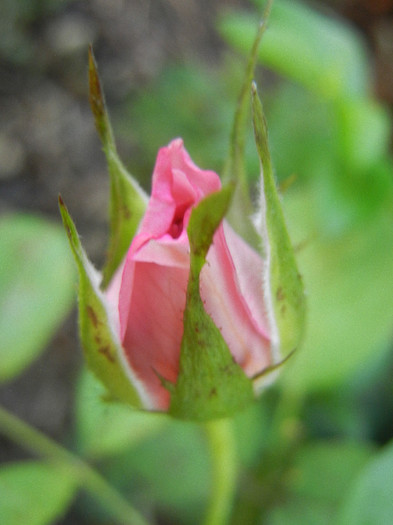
(178, 452)
(34, 492)
(324, 470)
(338, 149)
(35, 289)
(370, 500)
(323, 55)
(105, 428)
(350, 297)
(169, 471)
(167, 109)
(319, 481)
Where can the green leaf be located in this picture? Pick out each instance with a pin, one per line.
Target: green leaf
(322, 54)
(103, 351)
(302, 133)
(36, 289)
(340, 146)
(364, 132)
(285, 288)
(318, 482)
(127, 200)
(370, 501)
(300, 512)
(210, 384)
(179, 453)
(171, 469)
(324, 470)
(35, 493)
(105, 428)
(349, 284)
(179, 93)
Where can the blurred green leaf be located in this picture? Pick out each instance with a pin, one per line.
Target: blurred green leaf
(302, 133)
(349, 284)
(370, 501)
(105, 428)
(169, 108)
(323, 470)
(36, 289)
(364, 132)
(171, 469)
(340, 147)
(34, 493)
(300, 512)
(318, 482)
(322, 54)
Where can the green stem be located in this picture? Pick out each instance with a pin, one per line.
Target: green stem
(88, 478)
(224, 470)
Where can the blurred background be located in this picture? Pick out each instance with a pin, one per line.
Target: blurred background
(173, 68)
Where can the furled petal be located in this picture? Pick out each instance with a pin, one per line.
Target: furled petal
(152, 294)
(154, 328)
(151, 291)
(177, 185)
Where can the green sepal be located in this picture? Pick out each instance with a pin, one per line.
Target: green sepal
(127, 200)
(285, 292)
(242, 207)
(102, 350)
(210, 384)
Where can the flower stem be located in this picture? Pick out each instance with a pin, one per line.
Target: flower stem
(224, 470)
(88, 478)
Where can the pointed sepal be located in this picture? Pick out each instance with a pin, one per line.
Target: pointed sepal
(102, 349)
(284, 288)
(210, 384)
(127, 200)
(242, 207)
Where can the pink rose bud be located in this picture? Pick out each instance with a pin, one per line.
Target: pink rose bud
(193, 319)
(148, 292)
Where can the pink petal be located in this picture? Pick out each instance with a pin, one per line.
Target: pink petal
(154, 329)
(153, 289)
(232, 291)
(177, 183)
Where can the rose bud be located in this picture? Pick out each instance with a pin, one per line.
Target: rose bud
(187, 317)
(149, 291)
